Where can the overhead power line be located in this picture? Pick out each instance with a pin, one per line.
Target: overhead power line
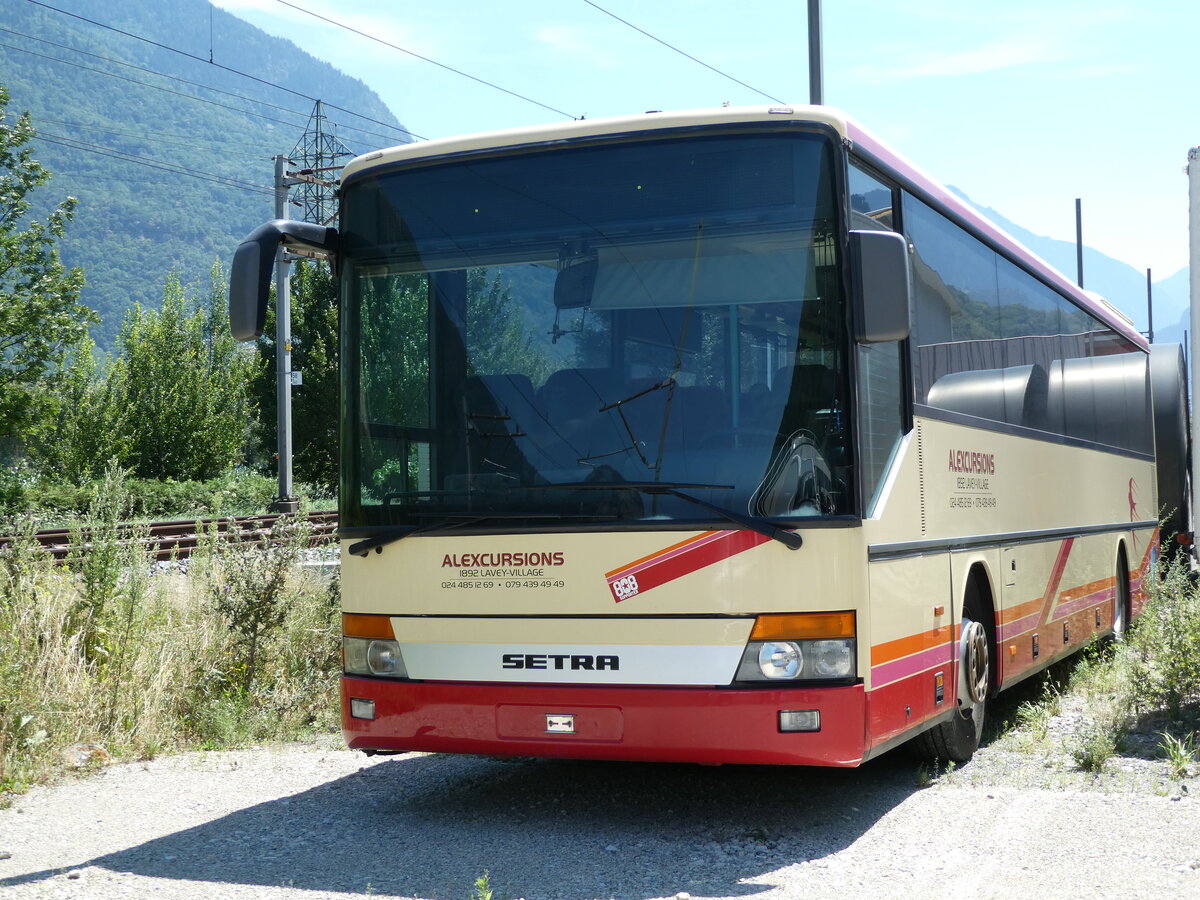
(182, 80)
(150, 162)
(156, 87)
(252, 150)
(225, 68)
(379, 40)
(677, 50)
(129, 65)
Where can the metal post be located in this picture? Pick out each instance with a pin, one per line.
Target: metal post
(285, 502)
(1149, 308)
(816, 92)
(1193, 171)
(1079, 241)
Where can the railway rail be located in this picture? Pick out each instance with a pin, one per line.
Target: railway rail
(177, 539)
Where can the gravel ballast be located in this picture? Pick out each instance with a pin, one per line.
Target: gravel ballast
(315, 820)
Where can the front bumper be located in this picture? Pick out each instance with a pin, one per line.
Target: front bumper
(659, 724)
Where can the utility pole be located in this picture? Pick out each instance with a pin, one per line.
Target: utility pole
(1149, 308)
(318, 152)
(1079, 241)
(816, 87)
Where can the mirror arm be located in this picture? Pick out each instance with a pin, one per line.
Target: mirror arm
(254, 262)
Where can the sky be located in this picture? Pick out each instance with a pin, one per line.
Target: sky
(1025, 105)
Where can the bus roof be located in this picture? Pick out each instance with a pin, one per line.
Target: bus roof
(858, 137)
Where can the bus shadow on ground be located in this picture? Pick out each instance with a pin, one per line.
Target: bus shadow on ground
(429, 826)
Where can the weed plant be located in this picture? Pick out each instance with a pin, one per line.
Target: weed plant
(1105, 678)
(1180, 753)
(482, 888)
(117, 651)
(1034, 716)
(1155, 672)
(1167, 640)
(26, 497)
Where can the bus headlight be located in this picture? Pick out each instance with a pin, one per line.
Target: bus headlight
(832, 658)
(801, 647)
(780, 659)
(372, 656)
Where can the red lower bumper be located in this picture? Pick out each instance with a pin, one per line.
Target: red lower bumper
(699, 725)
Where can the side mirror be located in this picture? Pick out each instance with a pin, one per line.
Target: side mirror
(576, 279)
(880, 284)
(253, 262)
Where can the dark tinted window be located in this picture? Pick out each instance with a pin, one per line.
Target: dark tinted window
(992, 341)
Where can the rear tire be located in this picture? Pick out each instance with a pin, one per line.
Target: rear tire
(956, 739)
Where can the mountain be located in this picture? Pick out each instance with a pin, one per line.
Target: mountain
(203, 139)
(170, 172)
(1178, 286)
(1119, 283)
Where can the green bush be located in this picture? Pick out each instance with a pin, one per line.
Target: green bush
(54, 504)
(1167, 639)
(173, 403)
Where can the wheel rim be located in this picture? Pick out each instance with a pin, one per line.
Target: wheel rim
(1119, 605)
(974, 675)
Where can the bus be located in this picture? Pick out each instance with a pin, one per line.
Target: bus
(717, 436)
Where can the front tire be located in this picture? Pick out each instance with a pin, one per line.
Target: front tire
(957, 738)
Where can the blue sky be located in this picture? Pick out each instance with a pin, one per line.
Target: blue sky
(1024, 105)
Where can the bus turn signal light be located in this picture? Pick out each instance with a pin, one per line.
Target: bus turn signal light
(800, 626)
(365, 626)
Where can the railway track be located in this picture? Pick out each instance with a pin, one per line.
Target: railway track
(177, 539)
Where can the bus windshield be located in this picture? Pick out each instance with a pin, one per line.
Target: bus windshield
(584, 336)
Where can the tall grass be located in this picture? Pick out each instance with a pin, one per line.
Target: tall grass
(116, 651)
(1167, 641)
(1155, 673)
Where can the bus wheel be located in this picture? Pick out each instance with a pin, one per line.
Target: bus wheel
(1121, 598)
(957, 738)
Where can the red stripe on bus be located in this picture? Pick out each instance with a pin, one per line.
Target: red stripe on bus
(679, 560)
(1056, 574)
(658, 554)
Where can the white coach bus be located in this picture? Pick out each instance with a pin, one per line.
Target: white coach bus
(723, 436)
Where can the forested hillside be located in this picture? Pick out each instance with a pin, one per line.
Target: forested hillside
(203, 138)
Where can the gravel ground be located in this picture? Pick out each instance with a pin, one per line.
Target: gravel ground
(315, 820)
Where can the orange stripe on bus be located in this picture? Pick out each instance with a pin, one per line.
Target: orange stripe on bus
(914, 643)
(1021, 610)
(1083, 590)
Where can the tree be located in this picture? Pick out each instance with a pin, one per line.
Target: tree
(41, 320)
(84, 432)
(499, 338)
(182, 383)
(172, 404)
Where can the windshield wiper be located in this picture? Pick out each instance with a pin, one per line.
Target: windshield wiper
(789, 539)
(377, 542)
